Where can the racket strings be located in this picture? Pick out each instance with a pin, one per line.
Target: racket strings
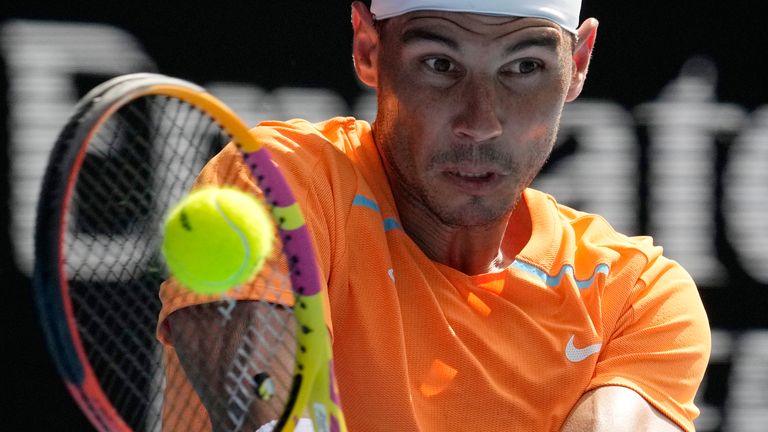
(114, 243)
(266, 350)
(253, 352)
(141, 161)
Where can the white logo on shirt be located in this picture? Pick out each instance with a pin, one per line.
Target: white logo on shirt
(576, 355)
(391, 273)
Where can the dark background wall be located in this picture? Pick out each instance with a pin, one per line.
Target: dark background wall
(675, 100)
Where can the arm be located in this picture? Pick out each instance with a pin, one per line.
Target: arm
(615, 409)
(221, 356)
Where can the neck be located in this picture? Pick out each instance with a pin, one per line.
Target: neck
(472, 250)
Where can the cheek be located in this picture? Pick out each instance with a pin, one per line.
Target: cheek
(533, 117)
(414, 124)
(543, 126)
(419, 102)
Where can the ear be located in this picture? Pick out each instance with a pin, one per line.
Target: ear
(582, 54)
(365, 44)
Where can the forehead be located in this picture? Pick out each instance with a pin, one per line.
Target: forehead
(461, 24)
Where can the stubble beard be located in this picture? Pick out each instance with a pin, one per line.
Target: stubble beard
(476, 211)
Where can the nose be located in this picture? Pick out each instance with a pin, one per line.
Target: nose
(477, 118)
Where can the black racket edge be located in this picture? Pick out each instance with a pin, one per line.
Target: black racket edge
(46, 282)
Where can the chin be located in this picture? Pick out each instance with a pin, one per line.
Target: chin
(474, 214)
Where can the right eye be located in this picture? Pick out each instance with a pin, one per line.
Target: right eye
(440, 64)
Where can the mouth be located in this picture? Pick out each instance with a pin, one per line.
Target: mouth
(473, 181)
(472, 176)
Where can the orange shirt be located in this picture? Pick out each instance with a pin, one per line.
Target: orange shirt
(421, 346)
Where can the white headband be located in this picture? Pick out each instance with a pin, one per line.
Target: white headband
(562, 12)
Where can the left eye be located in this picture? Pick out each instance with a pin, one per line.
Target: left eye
(524, 67)
(440, 64)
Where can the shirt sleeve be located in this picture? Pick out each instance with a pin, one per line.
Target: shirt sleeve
(226, 168)
(294, 148)
(660, 344)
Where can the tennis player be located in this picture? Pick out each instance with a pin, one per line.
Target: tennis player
(460, 299)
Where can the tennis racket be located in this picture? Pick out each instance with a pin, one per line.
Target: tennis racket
(131, 150)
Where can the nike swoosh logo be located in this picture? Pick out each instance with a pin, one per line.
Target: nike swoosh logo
(575, 355)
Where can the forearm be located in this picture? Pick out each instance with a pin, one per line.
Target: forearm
(222, 352)
(616, 409)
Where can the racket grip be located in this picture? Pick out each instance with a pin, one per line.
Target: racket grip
(304, 425)
(324, 406)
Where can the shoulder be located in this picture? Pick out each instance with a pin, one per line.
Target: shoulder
(635, 267)
(335, 135)
(592, 232)
(309, 154)
(314, 154)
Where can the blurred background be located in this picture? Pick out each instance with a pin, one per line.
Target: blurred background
(669, 138)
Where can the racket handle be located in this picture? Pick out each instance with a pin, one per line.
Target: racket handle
(304, 425)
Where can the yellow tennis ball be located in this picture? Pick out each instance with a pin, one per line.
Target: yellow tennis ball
(216, 239)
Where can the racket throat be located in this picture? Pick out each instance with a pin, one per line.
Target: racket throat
(290, 404)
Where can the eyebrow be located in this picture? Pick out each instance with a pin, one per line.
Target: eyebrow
(419, 34)
(548, 40)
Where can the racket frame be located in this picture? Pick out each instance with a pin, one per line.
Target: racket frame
(314, 385)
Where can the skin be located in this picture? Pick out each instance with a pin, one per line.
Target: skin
(619, 409)
(208, 347)
(469, 108)
(468, 112)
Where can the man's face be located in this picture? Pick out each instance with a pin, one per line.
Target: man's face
(468, 109)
